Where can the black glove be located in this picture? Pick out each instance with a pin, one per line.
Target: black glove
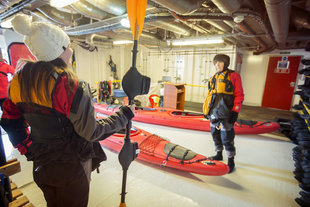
(233, 117)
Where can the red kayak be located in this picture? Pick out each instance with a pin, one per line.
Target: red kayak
(187, 120)
(156, 150)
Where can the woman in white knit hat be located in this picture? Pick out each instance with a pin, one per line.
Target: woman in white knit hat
(47, 96)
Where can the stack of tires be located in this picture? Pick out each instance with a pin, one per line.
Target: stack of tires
(301, 137)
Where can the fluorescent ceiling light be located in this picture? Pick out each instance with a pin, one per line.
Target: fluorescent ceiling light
(196, 41)
(122, 42)
(61, 3)
(125, 23)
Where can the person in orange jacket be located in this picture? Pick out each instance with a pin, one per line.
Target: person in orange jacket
(47, 97)
(222, 105)
(5, 69)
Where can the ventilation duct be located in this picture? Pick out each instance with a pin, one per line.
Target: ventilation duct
(171, 25)
(114, 23)
(279, 16)
(232, 7)
(181, 6)
(116, 7)
(61, 17)
(227, 7)
(220, 25)
(89, 10)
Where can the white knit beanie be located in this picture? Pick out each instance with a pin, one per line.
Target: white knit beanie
(45, 41)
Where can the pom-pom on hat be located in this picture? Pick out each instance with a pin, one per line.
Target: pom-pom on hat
(45, 41)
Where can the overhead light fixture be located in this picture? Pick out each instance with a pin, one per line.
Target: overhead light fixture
(122, 42)
(125, 22)
(61, 3)
(238, 19)
(196, 41)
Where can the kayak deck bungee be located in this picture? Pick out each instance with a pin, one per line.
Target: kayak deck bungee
(154, 149)
(187, 120)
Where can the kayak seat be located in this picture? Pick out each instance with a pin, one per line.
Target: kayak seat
(178, 152)
(185, 113)
(246, 122)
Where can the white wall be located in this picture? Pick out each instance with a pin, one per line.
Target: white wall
(254, 72)
(185, 65)
(93, 66)
(253, 75)
(190, 65)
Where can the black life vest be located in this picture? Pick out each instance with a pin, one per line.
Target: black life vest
(52, 133)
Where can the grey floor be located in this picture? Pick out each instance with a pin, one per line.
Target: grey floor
(263, 176)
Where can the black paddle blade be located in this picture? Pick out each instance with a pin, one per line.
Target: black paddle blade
(128, 153)
(134, 83)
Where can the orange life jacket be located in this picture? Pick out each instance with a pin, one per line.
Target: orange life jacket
(220, 97)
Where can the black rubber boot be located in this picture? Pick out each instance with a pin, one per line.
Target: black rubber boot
(218, 156)
(231, 164)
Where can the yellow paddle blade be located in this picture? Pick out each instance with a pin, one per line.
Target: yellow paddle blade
(136, 14)
(122, 205)
(132, 15)
(141, 14)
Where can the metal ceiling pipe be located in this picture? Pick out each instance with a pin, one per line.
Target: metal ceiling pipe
(89, 10)
(181, 6)
(300, 18)
(145, 39)
(116, 7)
(90, 38)
(7, 3)
(279, 16)
(201, 28)
(109, 24)
(99, 37)
(215, 17)
(233, 6)
(172, 25)
(143, 34)
(92, 28)
(197, 27)
(227, 6)
(248, 31)
(38, 16)
(220, 25)
(60, 17)
(14, 9)
(258, 19)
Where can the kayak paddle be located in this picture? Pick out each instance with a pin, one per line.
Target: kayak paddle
(133, 84)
